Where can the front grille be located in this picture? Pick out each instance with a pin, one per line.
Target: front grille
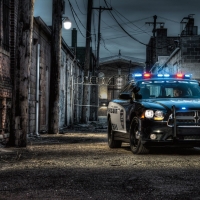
(193, 137)
(185, 119)
(190, 113)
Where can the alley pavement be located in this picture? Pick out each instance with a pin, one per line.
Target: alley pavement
(79, 165)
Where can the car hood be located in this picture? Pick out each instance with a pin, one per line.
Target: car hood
(188, 104)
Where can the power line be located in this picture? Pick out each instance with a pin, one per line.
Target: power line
(123, 28)
(169, 20)
(111, 26)
(107, 25)
(131, 23)
(105, 45)
(131, 35)
(75, 18)
(120, 36)
(128, 20)
(73, 12)
(79, 8)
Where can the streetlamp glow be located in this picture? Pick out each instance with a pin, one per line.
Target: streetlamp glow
(67, 23)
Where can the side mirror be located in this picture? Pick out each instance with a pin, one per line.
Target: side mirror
(125, 96)
(136, 89)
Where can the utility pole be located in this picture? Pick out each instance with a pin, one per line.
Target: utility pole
(55, 66)
(21, 78)
(153, 44)
(154, 25)
(86, 87)
(101, 9)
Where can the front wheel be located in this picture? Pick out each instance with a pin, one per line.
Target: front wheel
(135, 140)
(111, 142)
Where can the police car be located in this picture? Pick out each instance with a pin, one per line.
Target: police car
(155, 110)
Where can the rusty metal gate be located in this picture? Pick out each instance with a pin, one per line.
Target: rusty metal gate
(102, 89)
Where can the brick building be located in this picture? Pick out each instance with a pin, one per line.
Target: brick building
(160, 45)
(186, 56)
(38, 98)
(5, 69)
(70, 73)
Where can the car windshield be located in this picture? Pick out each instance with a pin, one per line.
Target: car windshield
(169, 89)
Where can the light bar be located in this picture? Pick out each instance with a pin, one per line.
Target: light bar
(149, 75)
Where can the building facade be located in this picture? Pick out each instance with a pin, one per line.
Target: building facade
(160, 45)
(5, 69)
(38, 92)
(70, 73)
(114, 73)
(185, 58)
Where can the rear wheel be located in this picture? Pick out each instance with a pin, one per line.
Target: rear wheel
(111, 142)
(135, 140)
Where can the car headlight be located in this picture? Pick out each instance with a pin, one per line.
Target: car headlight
(158, 115)
(149, 114)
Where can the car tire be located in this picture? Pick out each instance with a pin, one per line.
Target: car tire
(111, 142)
(136, 144)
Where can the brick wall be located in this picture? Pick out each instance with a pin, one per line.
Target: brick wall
(5, 92)
(41, 38)
(5, 84)
(190, 48)
(186, 59)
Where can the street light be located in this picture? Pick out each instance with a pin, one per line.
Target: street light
(67, 23)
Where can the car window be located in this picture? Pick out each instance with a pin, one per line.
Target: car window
(169, 89)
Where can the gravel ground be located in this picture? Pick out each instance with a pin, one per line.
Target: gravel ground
(80, 166)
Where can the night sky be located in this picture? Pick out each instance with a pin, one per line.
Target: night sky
(130, 14)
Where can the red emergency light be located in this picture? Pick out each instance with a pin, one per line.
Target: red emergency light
(179, 75)
(147, 75)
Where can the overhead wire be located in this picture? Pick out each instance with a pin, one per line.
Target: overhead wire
(104, 45)
(79, 8)
(73, 12)
(129, 22)
(71, 8)
(126, 23)
(129, 34)
(169, 20)
(124, 29)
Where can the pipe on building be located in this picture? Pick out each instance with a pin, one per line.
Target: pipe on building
(37, 92)
(172, 54)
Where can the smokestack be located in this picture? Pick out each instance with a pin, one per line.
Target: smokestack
(74, 37)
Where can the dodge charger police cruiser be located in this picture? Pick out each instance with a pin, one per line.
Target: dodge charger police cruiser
(155, 110)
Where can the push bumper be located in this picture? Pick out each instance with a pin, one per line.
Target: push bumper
(177, 131)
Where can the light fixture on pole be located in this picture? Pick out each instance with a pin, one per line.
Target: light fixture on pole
(67, 23)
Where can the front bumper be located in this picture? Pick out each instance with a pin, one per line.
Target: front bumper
(178, 136)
